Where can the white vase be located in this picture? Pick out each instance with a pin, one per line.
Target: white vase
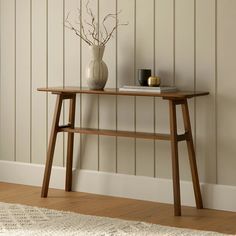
(96, 71)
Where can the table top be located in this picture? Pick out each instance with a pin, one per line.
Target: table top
(113, 91)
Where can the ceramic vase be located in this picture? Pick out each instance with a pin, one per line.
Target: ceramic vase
(96, 70)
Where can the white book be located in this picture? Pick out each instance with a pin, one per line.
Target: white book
(161, 89)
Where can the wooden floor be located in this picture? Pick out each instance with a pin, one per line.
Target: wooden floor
(122, 208)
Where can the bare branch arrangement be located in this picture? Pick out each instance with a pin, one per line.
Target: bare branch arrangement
(95, 34)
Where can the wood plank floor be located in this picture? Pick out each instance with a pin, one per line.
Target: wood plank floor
(122, 208)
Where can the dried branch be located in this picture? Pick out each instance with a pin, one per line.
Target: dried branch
(93, 35)
(81, 25)
(102, 36)
(92, 24)
(111, 33)
(107, 17)
(76, 31)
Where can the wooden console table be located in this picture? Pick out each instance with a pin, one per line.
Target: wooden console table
(174, 98)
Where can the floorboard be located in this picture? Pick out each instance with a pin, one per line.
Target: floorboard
(91, 204)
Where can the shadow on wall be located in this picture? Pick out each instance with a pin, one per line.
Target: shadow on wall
(91, 104)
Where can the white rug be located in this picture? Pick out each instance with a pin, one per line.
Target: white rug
(25, 220)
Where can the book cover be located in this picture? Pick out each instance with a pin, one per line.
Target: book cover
(161, 89)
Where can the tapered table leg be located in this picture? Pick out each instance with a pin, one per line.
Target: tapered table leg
(70, 145)
(192, 156)
(175, 161)
(51, 146)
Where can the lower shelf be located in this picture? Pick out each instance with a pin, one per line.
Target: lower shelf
(119, 133)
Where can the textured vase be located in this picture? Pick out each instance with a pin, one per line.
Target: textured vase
(96, 71)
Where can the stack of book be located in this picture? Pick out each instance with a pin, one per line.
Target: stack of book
(162, 89)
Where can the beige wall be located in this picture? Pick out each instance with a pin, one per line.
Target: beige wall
(190, 43)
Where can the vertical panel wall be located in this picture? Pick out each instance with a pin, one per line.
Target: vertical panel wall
(39, 79)
(72, 77)
(144, 106)
(184, 68)
(7, 82)
(55, 66)
(126, 71)
(189, 43)
(90, 103)
(23, 81)
(226, 98)
(164, 67)
(205, 79)
(107, 104)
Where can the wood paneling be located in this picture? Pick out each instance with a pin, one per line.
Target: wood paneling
(55, 66)
(7, 81)
(126, 75)
(144, 60)
(23, 82)
(126, 164)
(107, 104)
(184, 67)
(89, 104)
(164, 53)
(39, 78)
(226, 98)
(72, 73)
(205, 78)
(186, 42)
(107, 145)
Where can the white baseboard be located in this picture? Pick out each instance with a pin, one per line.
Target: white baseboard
(220, 197)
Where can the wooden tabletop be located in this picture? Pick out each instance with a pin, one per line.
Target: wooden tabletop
(112, 91)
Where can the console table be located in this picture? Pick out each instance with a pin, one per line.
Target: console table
(174, 98)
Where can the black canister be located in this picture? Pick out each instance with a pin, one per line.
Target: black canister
(143, 75)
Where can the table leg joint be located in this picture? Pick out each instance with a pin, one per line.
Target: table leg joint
(183, 137)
